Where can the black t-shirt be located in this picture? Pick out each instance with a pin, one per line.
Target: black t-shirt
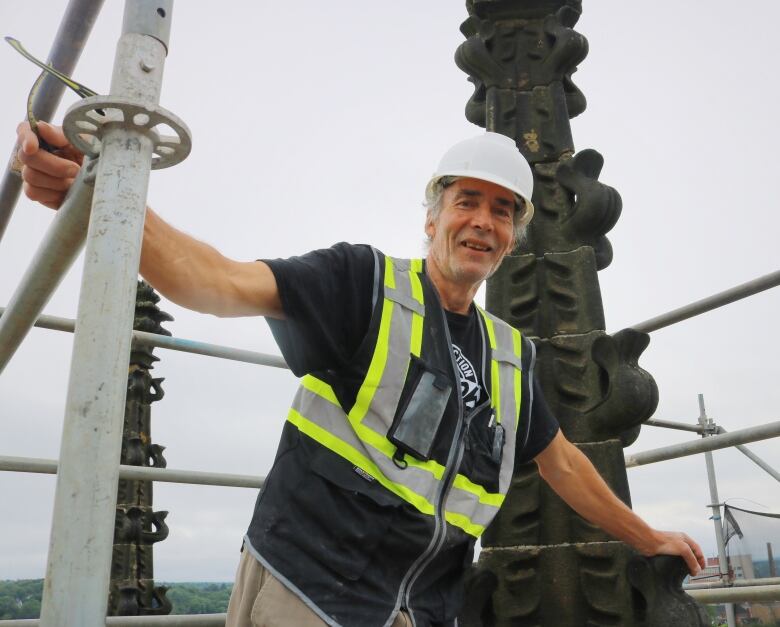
(328, 297)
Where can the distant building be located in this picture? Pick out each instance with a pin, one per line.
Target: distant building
(740, 567)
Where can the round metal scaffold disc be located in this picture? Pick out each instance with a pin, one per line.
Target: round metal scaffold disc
(86, 121)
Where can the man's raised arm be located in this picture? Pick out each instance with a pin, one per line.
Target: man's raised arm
(186, 271)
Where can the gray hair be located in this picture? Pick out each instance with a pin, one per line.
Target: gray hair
(435, 190)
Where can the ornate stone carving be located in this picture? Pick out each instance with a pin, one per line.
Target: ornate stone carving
(594, 384)
(533, 515)
(589, 582)
(138, 527)
(660, 599)
(542, 564)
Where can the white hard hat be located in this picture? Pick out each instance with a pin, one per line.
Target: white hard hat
(491, 157)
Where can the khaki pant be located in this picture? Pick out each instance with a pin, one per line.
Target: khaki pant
(260, 600)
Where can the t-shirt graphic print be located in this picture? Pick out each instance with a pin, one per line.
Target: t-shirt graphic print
(470, 389)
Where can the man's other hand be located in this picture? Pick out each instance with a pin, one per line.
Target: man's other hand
(47, 176)
(675, 543)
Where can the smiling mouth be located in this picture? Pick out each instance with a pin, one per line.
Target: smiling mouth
(475, 246)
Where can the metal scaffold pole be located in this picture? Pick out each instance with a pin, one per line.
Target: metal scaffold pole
(77, 574)
(716, 519)
(704, 305)
(711, 443)
(754, 458)
(76, 24)
(55, 255)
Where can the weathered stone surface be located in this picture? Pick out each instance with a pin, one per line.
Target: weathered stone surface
(520, 46)
(133, 597)
(131, 561)
(658, 595)
(594, 384)
(520, 56)
(138, 526)
(534, 515)
(137, 492)
(553, 290)
(154, 601)
(585, 584)
(527, 9)
(550, 295)
(530, 117)
(556, 585)
(573, 208)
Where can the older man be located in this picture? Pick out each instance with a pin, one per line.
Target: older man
(414, 406)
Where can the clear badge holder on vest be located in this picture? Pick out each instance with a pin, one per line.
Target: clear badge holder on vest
(499, 437)
(417, 420)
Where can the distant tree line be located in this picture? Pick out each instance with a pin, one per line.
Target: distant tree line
(199, 598)
(22, 598)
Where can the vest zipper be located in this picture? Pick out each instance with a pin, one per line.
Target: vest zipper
(454, 458)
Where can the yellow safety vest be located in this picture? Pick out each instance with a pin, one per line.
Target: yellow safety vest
(358, 434)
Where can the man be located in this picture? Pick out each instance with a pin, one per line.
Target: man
(413, 409)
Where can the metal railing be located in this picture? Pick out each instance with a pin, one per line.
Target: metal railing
(57, 323)
(139, 473)
(737, 595)
(737, 583)
(79, 558)
(79, 555)
(711, 302)
(725, 590)
(713, 443)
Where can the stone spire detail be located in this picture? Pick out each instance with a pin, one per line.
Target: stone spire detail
(542, 564)
(138, 527)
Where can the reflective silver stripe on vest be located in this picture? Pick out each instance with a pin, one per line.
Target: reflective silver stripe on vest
(508, 363)
(416, 484)
(360, 435)
(503, 355)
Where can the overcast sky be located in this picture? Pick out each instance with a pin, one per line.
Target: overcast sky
(317, 122)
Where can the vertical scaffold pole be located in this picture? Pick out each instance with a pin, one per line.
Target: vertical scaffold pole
(704, 421)
(77, 574)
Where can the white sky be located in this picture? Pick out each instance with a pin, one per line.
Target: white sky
(320, 122)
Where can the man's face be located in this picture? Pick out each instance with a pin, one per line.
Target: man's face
(474, 230)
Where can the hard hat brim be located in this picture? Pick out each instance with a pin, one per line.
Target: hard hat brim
(491, 178)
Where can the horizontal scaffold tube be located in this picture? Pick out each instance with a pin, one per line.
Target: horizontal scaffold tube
(711, 302)
(141, 473)
(736, 595)
(55, 255)
(669, 424)
(183, 620)
(755, 459)
(56, 323)
(712, 443)
(737, 583)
